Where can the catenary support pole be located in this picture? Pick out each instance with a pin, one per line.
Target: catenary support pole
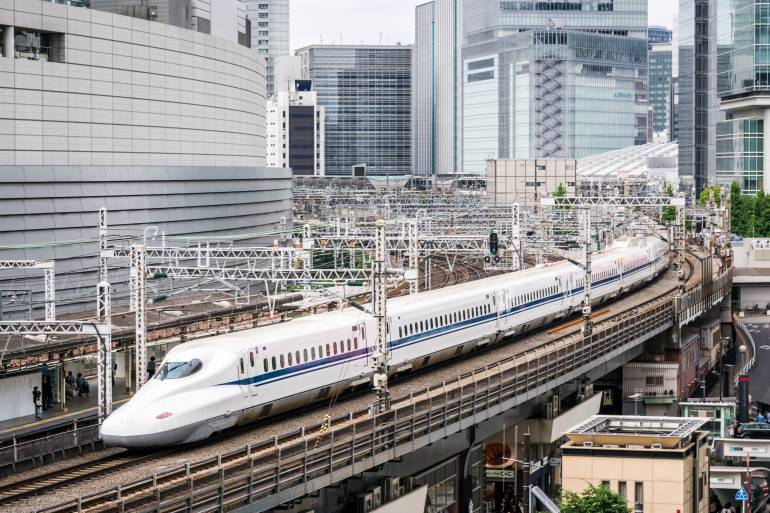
(379, 307)
(104, 355)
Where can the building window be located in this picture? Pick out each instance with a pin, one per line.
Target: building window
(623, 489)
(606, 484)
(263, 6)
(653, 381)
(638, 492)
(262, 15)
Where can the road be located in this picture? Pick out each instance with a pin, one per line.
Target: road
(759, 388)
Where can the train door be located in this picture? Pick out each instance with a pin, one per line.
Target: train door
(499, 303)
(243, 374)
(253, 370)
(362, 340)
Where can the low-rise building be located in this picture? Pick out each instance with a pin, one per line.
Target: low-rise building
(527, 180)
(659, 464)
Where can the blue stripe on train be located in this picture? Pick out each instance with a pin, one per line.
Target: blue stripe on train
(304, 368)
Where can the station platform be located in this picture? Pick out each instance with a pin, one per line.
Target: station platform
(75, 408)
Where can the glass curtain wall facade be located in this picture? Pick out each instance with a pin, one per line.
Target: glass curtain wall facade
(269, 32)
(743, 85)
(552, 79)
(660, 70)
(366, 91)
(740, 153)
(553, 94)
(698, 108)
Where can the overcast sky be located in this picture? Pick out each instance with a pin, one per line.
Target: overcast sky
(356, 21)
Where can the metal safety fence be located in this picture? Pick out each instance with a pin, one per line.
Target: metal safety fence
(36, 447)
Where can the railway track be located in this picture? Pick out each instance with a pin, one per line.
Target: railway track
(208, 471)
(16, 491)
(19, 490)
(210, 474)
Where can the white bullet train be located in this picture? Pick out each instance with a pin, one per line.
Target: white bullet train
(211, 384)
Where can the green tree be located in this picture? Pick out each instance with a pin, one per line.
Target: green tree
(668, 214)
(594, 499)
(762, 215)
(743, 212)
(561, 191)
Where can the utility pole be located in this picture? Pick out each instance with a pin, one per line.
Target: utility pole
(103, 244)
(138, 277)
(587, 319)
(379, 311)
(525, 473)
(104, 352)
(679, 240)
(413, 257)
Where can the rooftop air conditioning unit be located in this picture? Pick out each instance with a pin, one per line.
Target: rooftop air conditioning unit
(392, 488)
(364, 503)
(376, 497)
(588, 444)
(656, 446)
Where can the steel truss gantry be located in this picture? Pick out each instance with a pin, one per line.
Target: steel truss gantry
(101, 328)
(586, 204)
(49, 278)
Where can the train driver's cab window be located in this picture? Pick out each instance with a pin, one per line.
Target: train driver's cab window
(177, 370)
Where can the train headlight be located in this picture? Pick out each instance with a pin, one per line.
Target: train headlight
(164, 415)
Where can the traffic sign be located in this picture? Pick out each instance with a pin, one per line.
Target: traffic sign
(740, 495)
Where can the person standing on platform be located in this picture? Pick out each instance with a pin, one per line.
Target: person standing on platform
(36, 401)
(47, 392)
(151, 368)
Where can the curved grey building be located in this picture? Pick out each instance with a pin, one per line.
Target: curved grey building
(162, 125)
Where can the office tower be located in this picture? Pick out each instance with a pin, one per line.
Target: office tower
(660, 61)
(743, 139)
(295, 122)
(366, 91)
(542, 82)
(436, 93)
(698, 108)
(269, 32)
(656, 34)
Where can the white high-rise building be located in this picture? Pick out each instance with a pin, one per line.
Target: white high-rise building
(295, 122)
(436, 88)
(269, 33)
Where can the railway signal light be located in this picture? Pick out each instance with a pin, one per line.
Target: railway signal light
(493, 243)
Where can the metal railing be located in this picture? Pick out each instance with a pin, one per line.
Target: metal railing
(750, 364)
(270, 473)
(32, 447)
(694, 302)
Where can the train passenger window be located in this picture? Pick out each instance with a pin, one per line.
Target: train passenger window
(335, 347)
(350, 347)
(242, 369)
(312, 353)
(399, 332)
(355, 342)
(273, 362)
(320, 351)
(264, 365)
(289, 358)
(304, 353)
(296, 358)
(280, 360)
(329, 350)
(251, 358)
